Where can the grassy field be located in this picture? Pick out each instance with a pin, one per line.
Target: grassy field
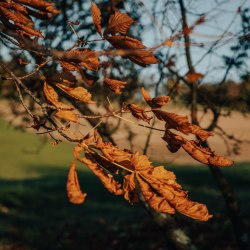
(35, 213)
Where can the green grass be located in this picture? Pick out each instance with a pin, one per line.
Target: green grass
(35, 213)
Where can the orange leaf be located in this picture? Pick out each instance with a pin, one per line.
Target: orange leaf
(170, 193)
(156, 102)
(118, 23)
(114, 85)
(155, 201)
(193, 148)
(53, 97)
(79, 93)
(74, 59)
(107, 180)
(96, 15)
(193, 77)
(174, 121)
(67, 115)
(202, 134)
(129, 187)
(74, 192)
(133, 50)
(138, 112)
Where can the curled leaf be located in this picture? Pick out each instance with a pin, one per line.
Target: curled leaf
(67, 115)
(155, 201)
(193, 148)
(74, 59)
(79, 93)
(74, 192)
(133, 50)
(138, 112)
(202, 134)
(156, 102)
(163, 193)
(114, 85)
(53, 98)
(129, 187)
(118, 23)
(96, 16)
(174, 121)
(107, 180)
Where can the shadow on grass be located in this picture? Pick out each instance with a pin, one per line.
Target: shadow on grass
(35, 213)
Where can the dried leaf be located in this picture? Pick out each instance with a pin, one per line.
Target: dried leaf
(79, 93)
(74, 192)
(133, 50)
(96, 15)
(129, 187)
(194, 76)
(74, 59)
(160, 101)
(140, 162)
(193, 148)
(138, 112)
(53, 98)
(165, 193)
(156, 102)
(114, 154)
(114, 85)
(155, 201)
(107, 180)
(174, 121)
(202, 134)
(67, 115)
(118, 23)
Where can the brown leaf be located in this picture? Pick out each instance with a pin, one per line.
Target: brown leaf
(202, 134)
(174, 141)
(114, 154)
(118, 23)
(194, 76)
(160, 101)
(74, 192)
(135, 50)
(146, 96)
(140, 162)
(156, 102)
(74, 59)
(29, 31)
(138, 112)
(163, 183)
(129, 187)
(174, 121)
(107, 180)
(96, 16)
(114, 85)
(155, 201)
(53, 98)
(193, 148)
(67, 115)
(79, 93)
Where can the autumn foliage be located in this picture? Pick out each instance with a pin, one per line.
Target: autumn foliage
(141, 180)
